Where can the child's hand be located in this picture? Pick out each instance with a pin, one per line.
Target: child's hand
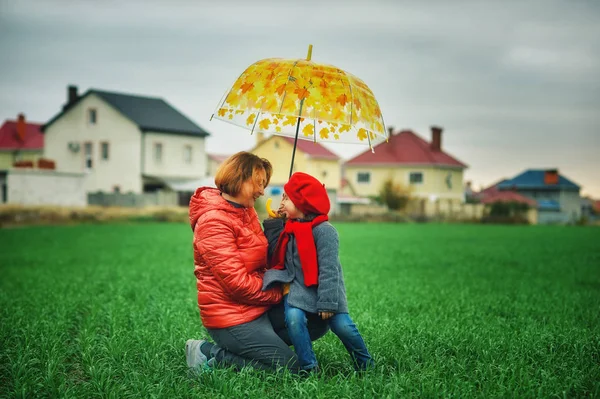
(281, 213)
(325, 315)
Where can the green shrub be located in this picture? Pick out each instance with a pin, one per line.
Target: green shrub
(394, 196)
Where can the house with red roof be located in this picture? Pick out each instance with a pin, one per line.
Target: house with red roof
(555, 196)
(312, 158)
(20, 141)
(432, 175)
(492, 194)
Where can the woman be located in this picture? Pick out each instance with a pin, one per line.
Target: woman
(230, 256)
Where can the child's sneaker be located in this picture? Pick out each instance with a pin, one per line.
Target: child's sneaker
(197, 362)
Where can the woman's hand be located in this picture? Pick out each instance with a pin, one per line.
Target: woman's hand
(325, 315)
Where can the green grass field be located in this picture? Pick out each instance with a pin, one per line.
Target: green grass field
(446, 310)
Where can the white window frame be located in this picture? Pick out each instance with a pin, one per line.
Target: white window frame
(158, 152)
(187, 154)
(102, 144)
(92, 116)
(88, 156)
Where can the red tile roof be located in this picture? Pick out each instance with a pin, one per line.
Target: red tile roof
(314, 150)
(492, 194)
(507, 196)
(405, 148)
(9, 139)
(218, 157)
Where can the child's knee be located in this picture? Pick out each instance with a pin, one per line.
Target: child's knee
(342, 324)
(295, 317)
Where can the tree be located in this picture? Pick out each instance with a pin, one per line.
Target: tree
(394, 196)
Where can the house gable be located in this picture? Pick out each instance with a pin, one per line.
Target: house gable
(148, 113)
(309, 158)
(69, 138)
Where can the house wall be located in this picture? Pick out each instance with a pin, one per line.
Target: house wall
(279, 152)
(8, 157)
(326, 171)
(570, 205)
(122, 169)
(45, 187)
(211, 167)
(173, 163)
(433, 187)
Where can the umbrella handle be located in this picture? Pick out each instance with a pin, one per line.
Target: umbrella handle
(270, 211)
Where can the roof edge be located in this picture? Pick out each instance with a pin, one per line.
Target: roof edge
(178, 132)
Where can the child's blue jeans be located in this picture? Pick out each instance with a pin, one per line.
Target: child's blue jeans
(340, 323)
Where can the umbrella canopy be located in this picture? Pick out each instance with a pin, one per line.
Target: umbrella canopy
(305, 100)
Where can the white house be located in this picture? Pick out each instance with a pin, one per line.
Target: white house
(124, 142)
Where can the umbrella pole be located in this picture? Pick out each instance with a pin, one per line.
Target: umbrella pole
(296, 138)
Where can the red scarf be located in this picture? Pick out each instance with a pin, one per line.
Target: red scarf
(306, 247)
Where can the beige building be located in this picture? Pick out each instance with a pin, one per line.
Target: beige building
(433, 177)
(312, 158)
(125, 143)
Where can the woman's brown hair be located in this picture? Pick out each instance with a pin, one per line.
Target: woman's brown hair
(238, 168)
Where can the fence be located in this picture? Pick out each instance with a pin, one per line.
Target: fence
(42, 187)
(157, 198)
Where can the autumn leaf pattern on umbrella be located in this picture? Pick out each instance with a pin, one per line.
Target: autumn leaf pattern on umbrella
(303, 99)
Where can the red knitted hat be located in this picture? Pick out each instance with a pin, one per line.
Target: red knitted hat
(307, 193)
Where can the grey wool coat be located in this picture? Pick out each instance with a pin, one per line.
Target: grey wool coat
(329, 295)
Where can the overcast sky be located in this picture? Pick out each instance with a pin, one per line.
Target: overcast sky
(514, 84)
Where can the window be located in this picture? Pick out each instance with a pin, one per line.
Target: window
(158, 152)
(187, 154)
(87, 155)
(104, 151)
(363, 177)
(449, 180)
(92, 116)
(415, 177)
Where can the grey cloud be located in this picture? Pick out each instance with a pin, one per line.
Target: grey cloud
(501, 77)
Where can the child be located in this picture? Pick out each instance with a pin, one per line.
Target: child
(304, 256)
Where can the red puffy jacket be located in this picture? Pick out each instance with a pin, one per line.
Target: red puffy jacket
(230, 256)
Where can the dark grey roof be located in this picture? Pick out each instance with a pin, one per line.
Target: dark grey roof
(149, 113)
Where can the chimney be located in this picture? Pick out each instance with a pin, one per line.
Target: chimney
(436, 138)
(21, 127)
(71, 95)
(390, 130)
(551, 176)
(469, 187)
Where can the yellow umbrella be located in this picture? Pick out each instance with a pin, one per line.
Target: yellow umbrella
(304, 100)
